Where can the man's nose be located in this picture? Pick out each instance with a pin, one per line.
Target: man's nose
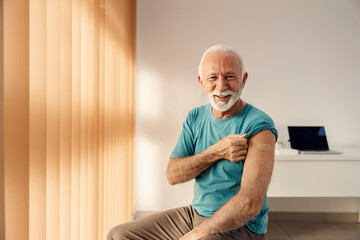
(222, 84)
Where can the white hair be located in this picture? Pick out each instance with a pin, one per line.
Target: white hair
(224, 49)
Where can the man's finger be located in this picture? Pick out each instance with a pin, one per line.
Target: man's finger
(240, 142)
(240, 154)
(243, 135)
(237, 135)
(241, 147)
(238, 159)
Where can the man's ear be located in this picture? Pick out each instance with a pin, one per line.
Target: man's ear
(244, 79)
(200, 81)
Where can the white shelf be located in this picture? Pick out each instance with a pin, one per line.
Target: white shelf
(349, 153)
(316, 175)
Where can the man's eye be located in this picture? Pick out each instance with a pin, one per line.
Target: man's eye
(212, 78)
(230, 77)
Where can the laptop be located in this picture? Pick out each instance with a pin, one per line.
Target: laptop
(310, 140)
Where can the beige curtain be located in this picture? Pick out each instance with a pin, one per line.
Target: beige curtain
(67, 117)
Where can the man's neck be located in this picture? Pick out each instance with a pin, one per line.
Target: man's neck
(231, 112)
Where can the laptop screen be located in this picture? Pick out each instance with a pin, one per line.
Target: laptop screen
(308, 138)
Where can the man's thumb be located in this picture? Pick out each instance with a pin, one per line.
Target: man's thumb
(244, 135)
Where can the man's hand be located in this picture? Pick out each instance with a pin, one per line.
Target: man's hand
(192, 235)
(232, 147)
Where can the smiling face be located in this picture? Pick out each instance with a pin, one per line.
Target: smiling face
(222, 80)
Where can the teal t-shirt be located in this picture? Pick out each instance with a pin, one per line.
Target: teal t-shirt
(220, 182)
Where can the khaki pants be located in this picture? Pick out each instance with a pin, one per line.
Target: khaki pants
(173, 224)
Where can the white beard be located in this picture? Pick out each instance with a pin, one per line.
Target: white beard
(223, 106)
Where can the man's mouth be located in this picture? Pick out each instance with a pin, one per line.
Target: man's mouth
(222, 97)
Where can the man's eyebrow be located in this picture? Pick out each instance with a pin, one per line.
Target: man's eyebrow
(233, 73)
(211, 74)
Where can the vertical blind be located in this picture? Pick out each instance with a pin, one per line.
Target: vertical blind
(67, 117)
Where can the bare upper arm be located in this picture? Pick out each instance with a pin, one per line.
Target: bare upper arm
(258, 166)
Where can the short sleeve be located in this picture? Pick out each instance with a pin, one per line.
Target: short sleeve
(186, 145)
(262, 123)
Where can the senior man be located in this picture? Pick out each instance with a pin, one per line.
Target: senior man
(228, 147)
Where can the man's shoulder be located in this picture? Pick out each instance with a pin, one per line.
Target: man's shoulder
(198, 111)
(258, 120)
(256, 114)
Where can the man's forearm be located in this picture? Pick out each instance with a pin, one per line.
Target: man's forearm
(181, 170)
(232, 147)
(234, 214)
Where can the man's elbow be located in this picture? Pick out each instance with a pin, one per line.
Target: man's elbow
(253, 206)
(169, 175)
(255, 211)
(170, 178)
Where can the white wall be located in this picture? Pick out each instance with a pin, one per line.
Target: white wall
(303, 60)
